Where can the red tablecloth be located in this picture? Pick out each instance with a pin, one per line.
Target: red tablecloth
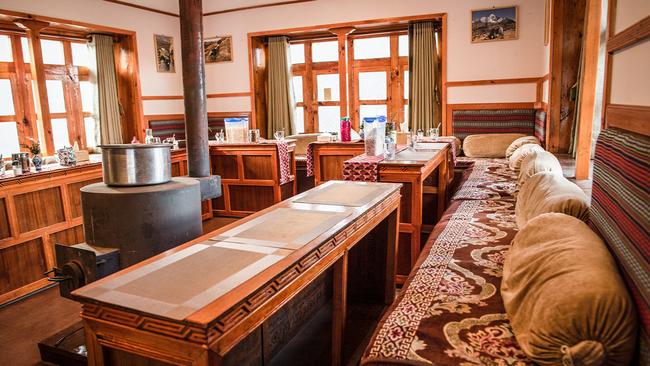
(364, 168)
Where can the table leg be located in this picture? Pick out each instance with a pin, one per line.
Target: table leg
(339, 303)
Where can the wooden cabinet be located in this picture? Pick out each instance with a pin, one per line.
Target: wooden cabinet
(328, 159)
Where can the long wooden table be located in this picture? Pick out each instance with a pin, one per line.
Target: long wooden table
(250, 177)
(40, 209)
(301, 282)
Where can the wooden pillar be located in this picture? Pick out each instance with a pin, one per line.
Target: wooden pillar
(196, 113)
(33, 29)
(555, 76)
(588, 88)
(342, 37)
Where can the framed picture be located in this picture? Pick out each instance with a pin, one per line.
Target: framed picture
(217, 49)
(164, 47)
(496, 24)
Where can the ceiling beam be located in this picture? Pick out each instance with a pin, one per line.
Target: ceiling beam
(141, 7)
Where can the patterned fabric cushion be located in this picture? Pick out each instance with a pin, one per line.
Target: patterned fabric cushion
(450, 311)
(540, 126)
(165, 128)
(620, 213)
(472, 122)
(486, 179)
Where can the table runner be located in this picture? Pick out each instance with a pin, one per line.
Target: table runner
(310, 159)
(364, 168)
(451, 140)
(285, 161)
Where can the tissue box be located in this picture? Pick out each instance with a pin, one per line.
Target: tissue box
(82, 155)
(326, 137)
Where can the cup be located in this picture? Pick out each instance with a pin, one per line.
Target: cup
(279, 135)
(220, 136)
(434, 132)
(254, 135)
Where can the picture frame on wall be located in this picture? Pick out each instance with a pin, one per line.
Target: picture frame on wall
(164, 49)
(495, 24)
(218, 49)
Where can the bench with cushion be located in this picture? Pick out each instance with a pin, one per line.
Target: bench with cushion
(450, 310)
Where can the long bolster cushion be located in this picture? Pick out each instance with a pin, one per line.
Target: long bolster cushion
(489, 145)
(518, 155)
(565, 299)
(535, 162)
(550, 192)
(519, 143)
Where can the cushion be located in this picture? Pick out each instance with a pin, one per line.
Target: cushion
(518, 155)
(302, 141)
(491, 145)
(538, 161)
(520, 142)
(549, 192)
(565, 299)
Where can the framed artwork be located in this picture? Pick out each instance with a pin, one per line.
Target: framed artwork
(164, 47)
(495, 24)
(217, 49)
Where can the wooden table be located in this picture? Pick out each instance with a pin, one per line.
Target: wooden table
(40, 209)
(301, 282)
(423, 173)
(329, 157)
(250, 177)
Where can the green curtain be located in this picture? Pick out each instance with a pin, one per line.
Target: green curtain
(103, 76)
(280, 104)
(424, 76)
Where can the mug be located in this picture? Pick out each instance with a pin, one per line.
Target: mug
(279, 135)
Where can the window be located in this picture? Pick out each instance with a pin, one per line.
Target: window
(325, 51)
(70, 95)
(369, 48)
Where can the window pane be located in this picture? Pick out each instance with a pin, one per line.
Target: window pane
(328, 87)
(366, 48)
(6, 98)
(80, 55)
(55, 96)
(329, 118)
(406, 113)
(372, 111)
(60, 133)
(372, 85)
(297, 52)
(296, 81)
(299, 120)
(52, 52)
(25, 45)
(87, 97)
(406, 84)
(91, 133)
(5, 49)
(403, 45)
(325, 51)
(8, 139)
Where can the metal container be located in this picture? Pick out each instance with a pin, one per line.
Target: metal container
(136, 164)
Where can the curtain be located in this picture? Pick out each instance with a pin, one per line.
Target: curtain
(424, 76)
(280, 104)
(104, 79)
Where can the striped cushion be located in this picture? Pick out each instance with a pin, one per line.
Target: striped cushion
(471, 122)
(620, 213)
(540, 126)
(165, 128)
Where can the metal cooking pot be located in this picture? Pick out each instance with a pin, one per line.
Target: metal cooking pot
(136, 164)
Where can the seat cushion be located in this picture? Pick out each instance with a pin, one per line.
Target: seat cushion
(538, 161)
(519, 143)
(549, 192)
(518, 155)
(565, 299)
(491, 145)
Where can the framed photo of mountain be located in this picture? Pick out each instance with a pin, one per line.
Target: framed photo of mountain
(217, 49)
(164, 47)
(495, 24)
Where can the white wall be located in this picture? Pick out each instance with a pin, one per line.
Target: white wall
(144, 23)
(524, 57)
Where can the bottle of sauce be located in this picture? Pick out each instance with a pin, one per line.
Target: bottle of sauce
(346, 126)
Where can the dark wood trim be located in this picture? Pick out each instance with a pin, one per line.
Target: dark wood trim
(161, 97)
(632, 118)
(632, 35)
(82, 26)
(209, 96)
(531, 80)
(256, 7)
(142, 7)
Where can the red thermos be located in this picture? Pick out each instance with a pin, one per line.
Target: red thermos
(346, 126)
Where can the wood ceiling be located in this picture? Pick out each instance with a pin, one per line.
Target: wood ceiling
(210, 7)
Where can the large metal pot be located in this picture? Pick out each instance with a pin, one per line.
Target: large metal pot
(136, 164)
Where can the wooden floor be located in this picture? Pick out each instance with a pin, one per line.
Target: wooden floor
(25, 323)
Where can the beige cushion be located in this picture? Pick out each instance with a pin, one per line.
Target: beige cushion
(549, 192)
(302, 141)
(518, 155)
(519, 143)
(491, 145)
(565, 299)
(538, 161)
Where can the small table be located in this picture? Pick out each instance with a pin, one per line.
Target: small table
(328, 158)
